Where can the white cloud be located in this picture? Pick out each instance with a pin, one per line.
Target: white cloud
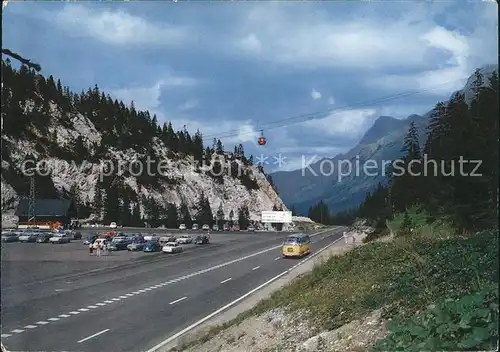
(353, 122)
(148, 97)
(366, 38)
(315, 94)
(331, 101)
(188, 105)
(117, 27)
(250, 43)
(443, 80)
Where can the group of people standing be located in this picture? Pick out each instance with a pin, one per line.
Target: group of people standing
(100, 247)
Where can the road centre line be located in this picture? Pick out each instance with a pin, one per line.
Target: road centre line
(229, 305)
(167, 283)
(177, 300)
(224, 281)
(92, 336)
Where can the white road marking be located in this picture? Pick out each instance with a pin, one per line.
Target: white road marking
(6, 335)
(277, 258)
(148, 289)
(220, 310)
(30, 326)
(100, 304)
(222, 282)
(136, 292)
(92, 307)
(178, 300)
(108, 301)
(59, 290)
(256, 268)
(42, 322)
(54, 319)
(129, 294)
(116, 299)
(74, 312)
(64, 316)
(142, 291)
(92, 336)
(83, 310)
(123, 297)
(17, 331)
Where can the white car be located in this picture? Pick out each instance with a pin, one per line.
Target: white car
(185, 239)
(195, 227)
(182, 227)
(113, 225)
(205, 227)
(172, 247)
(152, 237)
(59, 238)
(28, 236)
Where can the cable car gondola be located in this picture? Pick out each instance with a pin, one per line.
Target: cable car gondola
(262, 139)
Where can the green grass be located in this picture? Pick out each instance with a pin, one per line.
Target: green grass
(418, 217)
(404, 277)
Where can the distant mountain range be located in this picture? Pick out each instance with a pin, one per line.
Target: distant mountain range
(382, 142)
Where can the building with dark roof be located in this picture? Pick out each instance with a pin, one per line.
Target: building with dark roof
(47, 211)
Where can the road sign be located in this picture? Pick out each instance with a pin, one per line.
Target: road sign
(282, 217)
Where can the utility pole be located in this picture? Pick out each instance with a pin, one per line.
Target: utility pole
(32, 203)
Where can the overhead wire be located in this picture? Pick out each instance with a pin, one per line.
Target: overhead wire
(315, 115)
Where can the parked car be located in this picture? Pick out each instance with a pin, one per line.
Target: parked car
(205, 227)
(91, 239)
(113, 225)
(226, 227)
(136, 245)
(59, 238)
(172, 247)
(28, 236)
(152, 237)
(9, 236)
(251, 228)
(119, 243)
(74, 235)
(202, 239)
(195, 227)
(43, 237)
(182, 227)
(152, 246)
(215, 228)
(185, 239)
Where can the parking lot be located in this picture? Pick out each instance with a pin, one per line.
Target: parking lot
(30, 262)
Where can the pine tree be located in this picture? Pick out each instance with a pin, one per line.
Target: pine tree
(98, 200)
(172, 217)
(219, 148)
(243, 217)
(407, 225)
(231, 218)
(126, 216)
(185, 216)
(220, 216)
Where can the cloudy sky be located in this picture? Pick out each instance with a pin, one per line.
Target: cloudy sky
(313, 75)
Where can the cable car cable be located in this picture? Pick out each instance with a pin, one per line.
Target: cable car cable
(311, 116)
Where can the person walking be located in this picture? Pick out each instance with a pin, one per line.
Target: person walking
(91, 248)
(98, 249)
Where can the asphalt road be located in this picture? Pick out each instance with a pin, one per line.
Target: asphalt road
(137, 307)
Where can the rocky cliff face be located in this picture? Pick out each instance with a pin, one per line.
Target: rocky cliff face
(74, 138)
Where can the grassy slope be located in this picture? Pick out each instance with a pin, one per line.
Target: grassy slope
(404, 277)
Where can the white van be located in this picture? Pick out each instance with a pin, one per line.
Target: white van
(182, 227)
